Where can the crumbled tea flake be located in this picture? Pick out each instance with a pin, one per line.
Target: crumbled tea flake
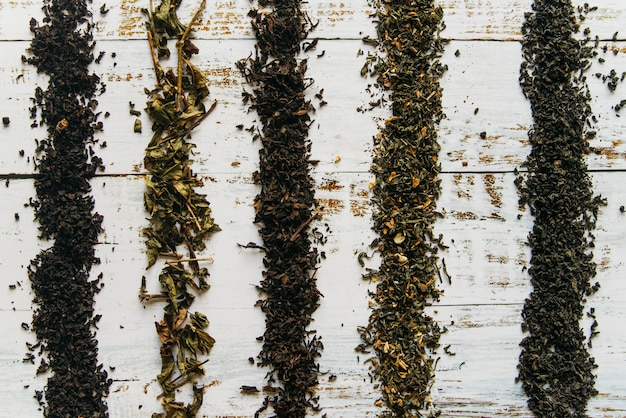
(284, 206)
(179, 216)
(555, 368)
(402, 336)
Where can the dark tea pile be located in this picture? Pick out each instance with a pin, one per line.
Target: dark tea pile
(284, 206)
(405, 191)
(180, 217)
(64, 318)
(555, 368)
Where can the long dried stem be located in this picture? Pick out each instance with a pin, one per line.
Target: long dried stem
(181, 44)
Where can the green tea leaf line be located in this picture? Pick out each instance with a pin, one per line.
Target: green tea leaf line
(405, 192)
(179, 216)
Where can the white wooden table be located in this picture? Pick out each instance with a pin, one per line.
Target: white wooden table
(487, 254)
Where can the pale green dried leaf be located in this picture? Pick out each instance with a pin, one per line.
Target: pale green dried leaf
(153, 247)
(167, 369)
(194, 407)
(183, 189)
(168, 286)
(199, 320)
(199, 87)
(166, 20)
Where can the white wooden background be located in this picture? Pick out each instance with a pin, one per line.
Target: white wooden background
(487, 253)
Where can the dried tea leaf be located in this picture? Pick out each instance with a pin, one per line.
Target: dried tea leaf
(182, 315)
(167, 370)
(183, 188)
(195, 340)
(166, 20)
(164, 332)
(199, 87)
(199, 320)
(194, 407)
(162, 113)
(169, 286)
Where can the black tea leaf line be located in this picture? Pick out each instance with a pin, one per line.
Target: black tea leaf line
(64, 320)
(285, 206)
(555, 368)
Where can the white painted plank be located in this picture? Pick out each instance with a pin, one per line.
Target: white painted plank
(485, 260)
(502, 20)
(337, 19)
(481, 228)
(222, 19)
(484, 76)
(477, 381)
(479, 80)
(221, 146)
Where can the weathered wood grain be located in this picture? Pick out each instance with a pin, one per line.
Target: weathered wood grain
(337, 19)
(486, 259)
(482, 224)
(484, 76)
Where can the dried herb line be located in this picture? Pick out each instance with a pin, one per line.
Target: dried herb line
(64, 319)
(406, 188)
(555, 368)
(284, 206)
(179, 216)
